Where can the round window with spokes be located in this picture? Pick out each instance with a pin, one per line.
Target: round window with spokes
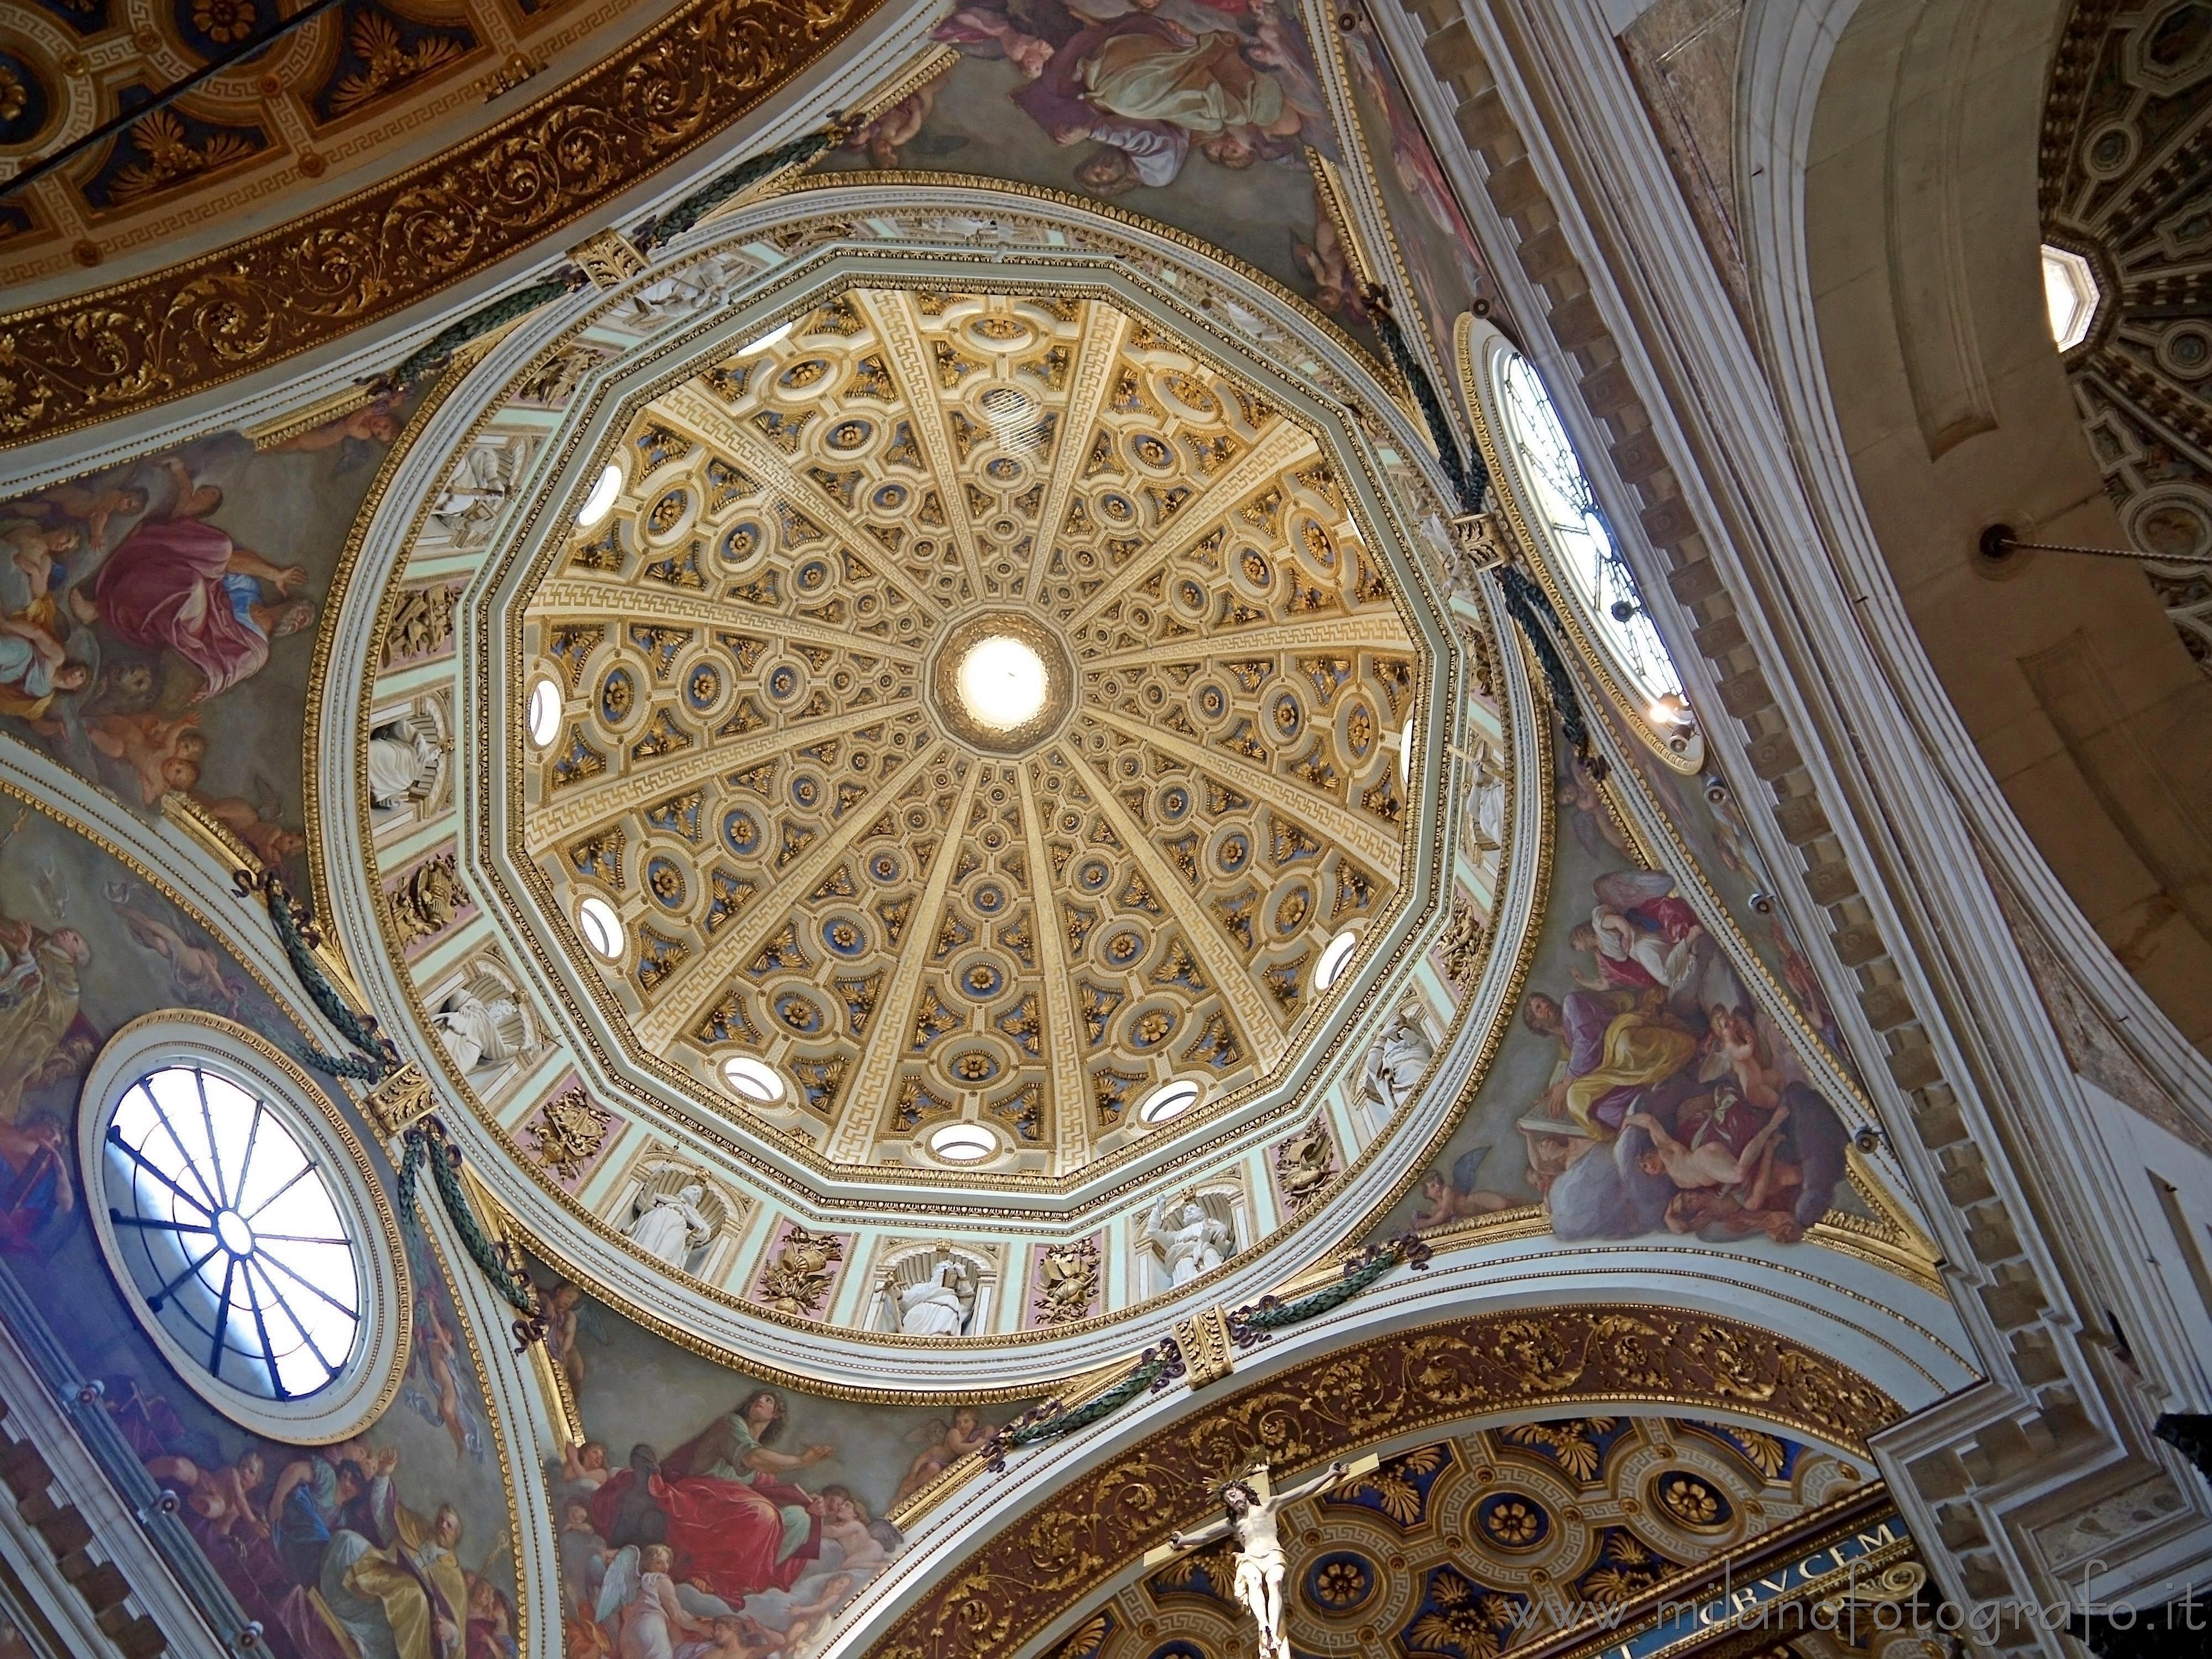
(244, 1223)
(1547, 494)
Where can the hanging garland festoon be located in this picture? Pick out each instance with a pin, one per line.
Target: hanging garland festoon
(425, 1142)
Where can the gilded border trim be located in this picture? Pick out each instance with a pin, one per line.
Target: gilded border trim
(1551, 1361)
(192, 327)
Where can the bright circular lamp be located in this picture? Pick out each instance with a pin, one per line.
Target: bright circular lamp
(602, 927)
(755, 1080)
(601, 501)
(1168, 1100)
(1335, 956)
(544, 719)
(1001, 682)
(963, 1142)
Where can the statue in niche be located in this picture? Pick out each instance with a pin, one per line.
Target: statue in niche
(1198, 1237)
(1251, 1506)
(1396, 1064)
(674, 1214)
(478, 488)
(930, 1296)
(403, 758)
(483, 1023)
(1485, 804)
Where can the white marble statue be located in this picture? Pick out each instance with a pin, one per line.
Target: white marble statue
(1194, 1243)
(934, 1307)
(669, 1226)
(1486, 807)
(403, 764)
(1397, 1063)
(478, 1030)
(477, 488)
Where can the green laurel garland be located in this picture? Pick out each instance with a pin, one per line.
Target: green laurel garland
(425, 1141)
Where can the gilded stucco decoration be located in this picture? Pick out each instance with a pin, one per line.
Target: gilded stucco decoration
(197, 324)
(1486, 1539)
(743, 860)
(1539, 1371)
(2125, 132)
(823, 859)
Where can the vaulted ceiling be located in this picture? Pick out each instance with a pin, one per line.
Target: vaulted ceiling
(821, 856)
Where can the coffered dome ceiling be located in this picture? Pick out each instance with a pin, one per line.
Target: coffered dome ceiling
(974, 710)
(921, 717)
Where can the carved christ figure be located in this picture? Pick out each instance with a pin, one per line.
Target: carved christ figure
(1252, 1506)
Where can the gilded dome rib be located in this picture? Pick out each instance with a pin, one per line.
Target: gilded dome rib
(919, 894)
(1090, 381)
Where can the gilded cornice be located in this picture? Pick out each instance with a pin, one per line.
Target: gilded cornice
(197, 324)
(1548, 1363)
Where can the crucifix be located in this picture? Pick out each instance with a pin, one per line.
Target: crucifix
(1250, 1505)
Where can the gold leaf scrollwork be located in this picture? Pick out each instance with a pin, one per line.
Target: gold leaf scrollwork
(194, 325)
(1004, 1594)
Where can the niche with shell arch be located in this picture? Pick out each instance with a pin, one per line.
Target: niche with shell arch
(898, 1298)
(679, 1216)
(486, 1025)
(409, 761)
(1225, 1207)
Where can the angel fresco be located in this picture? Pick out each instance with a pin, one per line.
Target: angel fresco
(1674, 1102)
(133, 598)
(659, 1554)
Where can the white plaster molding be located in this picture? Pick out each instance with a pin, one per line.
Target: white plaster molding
(555, 475)
(33, 1415)
(1893, 1334)
(1902, 786)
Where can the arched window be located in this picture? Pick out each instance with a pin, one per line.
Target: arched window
(241, 1219)
(1547, 491)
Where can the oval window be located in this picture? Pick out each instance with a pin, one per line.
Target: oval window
(754, 1079)
(1168, 1100)
(603, 928)
(240, 1217)
(601, 501)
(545, 715)
(230, 1234)
(963, 1142)
(1549, 496)
(1557, 495)
(1335, 957)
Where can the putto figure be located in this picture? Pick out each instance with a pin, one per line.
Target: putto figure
(1252, 1505)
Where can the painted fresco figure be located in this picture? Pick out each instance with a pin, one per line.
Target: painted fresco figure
(736, 1524)
(180, 583)
(39, 988)
(1260, 1561)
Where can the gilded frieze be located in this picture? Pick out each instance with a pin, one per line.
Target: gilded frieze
(199, 323)
(1550, 1365)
